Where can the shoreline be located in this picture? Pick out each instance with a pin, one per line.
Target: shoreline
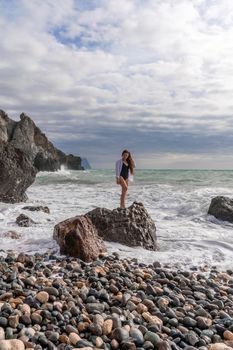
(56, 302)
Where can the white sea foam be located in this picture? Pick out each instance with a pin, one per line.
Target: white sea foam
(186, 234)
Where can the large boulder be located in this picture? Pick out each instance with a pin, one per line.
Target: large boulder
(132, 226)
(78, 237)
(222, 208)
(16, 173)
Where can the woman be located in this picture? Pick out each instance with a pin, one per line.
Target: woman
(124, 170)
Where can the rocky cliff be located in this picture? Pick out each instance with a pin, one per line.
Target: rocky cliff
(25, 150)
(16, 173)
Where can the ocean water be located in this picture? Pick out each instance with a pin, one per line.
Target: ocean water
(177, 200)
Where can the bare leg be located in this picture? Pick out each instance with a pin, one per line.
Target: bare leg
(124, 188)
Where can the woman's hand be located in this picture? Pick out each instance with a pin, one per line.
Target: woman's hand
(117, 180)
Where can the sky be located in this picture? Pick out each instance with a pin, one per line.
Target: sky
(100, 76)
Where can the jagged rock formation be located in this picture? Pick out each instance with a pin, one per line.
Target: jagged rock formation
(70, 161)
(27, 137)
(25, 150)
(78, 237)
(132, 226)
(82, 235)
(222, 208)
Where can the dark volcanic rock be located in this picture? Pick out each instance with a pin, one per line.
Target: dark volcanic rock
(78, 237)
(46, 164)
(27, 137)
(25, 150)
(132, 226)
(24, 221)
(16, 173)
(222, 208)
(70, 161)
(38, 208)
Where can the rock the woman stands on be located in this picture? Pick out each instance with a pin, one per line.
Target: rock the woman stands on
(124, 172)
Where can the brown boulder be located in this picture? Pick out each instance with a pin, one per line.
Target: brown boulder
(78, 237)
(132, 226)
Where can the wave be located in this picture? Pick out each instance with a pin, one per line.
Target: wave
(186, 234)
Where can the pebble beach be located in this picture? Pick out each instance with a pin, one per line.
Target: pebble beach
(174, 298)
(56, 302)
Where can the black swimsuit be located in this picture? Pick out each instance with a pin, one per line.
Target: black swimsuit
(124, 171)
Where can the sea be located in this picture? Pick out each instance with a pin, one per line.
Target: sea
(177, 200)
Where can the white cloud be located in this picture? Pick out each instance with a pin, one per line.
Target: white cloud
(147, 65)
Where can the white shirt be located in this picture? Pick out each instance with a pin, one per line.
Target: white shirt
(118, 168)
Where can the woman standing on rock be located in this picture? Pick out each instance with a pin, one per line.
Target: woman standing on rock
(124, 172)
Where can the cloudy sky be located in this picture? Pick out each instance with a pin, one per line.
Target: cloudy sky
(98, 76)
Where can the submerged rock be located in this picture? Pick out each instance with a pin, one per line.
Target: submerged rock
(37, 208)
(78, 237)
(222, 208)
(24, 221)
(12, 235)
(132, 226)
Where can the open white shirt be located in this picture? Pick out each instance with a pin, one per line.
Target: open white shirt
(118, 167)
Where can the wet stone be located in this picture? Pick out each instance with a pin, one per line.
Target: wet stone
(189, 322)
(148, 345)
(191, 338)
(128, 346)
(95, 307)
(152, 337)
(9, 333)
(120, 334)
(52, 336)
(25, 319)
(163, 345)
(137, 336)
(3, 322)
(52, 291)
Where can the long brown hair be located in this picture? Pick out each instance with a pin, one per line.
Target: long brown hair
(129, 161)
